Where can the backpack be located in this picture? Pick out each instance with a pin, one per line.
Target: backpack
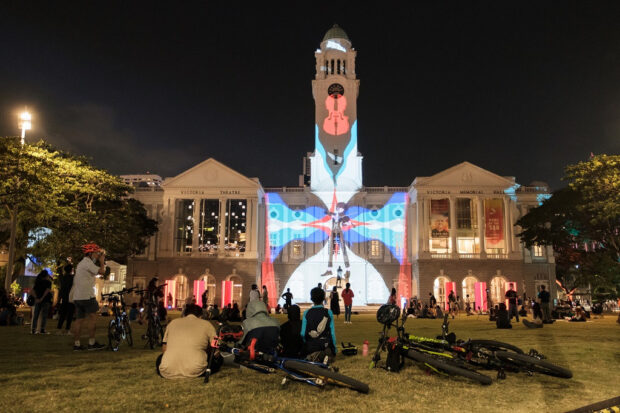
(394, 360)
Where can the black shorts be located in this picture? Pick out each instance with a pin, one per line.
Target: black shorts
(85, 307)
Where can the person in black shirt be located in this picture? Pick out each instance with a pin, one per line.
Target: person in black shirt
(66, 309)
(43, 300)
(502, 319)
(544, 298)
(288, 298)
(290, 334)
(512, 296)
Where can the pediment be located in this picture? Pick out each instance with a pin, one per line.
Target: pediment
(211, 173)
(465, 175)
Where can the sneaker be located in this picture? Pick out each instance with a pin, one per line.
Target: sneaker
(44, 332)
(96, 346)
(33, 332)
(78, 348)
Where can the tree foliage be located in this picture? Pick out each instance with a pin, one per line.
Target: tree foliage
(74, 200)
(582, 224)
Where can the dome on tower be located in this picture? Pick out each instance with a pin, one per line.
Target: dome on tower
(336, 32)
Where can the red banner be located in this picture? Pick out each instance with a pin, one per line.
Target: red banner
(440, 218)
(494, 223)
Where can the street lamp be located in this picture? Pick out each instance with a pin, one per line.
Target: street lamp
(25, 123)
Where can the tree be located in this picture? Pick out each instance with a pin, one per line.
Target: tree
(71, 199)
(582, 224)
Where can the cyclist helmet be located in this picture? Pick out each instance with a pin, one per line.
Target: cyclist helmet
(90, 247)
(388, 313)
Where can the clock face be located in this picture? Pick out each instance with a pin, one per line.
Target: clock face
(335, 89)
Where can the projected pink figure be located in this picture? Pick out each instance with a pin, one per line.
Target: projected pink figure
(336, 123)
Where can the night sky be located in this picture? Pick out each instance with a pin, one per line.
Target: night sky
(521, 89)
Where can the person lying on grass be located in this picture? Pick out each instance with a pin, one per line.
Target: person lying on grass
(317, 329)
(184, 349)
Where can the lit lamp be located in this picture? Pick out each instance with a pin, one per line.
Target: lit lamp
(25, 123)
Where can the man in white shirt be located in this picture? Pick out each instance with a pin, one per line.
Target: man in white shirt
(84, 295)
(254, 294)
(184, 349)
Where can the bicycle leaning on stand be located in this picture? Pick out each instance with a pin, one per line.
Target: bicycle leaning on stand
(119, 328)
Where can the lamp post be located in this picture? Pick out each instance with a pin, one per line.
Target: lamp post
(25, 123)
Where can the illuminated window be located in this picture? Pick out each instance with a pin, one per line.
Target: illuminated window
(234, 237)
(209, 225)
(463, 213)
(111, 277)
(184, 223)
(375, 248)
(344, 67)
(298, 249)
(539, 251)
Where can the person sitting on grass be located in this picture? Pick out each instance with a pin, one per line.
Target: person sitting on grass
(438, 312)
(184, 349)
(260, 326)
(580, 315)
(135, 314)
(537, 322)
(317, 329)
(502, 319)
(290, 338)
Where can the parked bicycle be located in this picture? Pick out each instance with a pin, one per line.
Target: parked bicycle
(400, 347)
(309, 372)
(119, 328)
(154, 330)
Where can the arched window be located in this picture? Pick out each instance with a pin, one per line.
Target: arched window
(439, 290)
(498, 290)
(469, 289)
(237, 289)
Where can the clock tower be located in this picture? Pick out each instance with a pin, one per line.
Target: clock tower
(335, 164)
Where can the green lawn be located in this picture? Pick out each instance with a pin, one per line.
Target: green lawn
(41, 373)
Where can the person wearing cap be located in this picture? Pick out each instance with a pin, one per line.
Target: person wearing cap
(86, 306)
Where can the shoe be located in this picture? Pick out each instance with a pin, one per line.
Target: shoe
(78, 348)
(33, 332)
(44, 332)
(96, 346)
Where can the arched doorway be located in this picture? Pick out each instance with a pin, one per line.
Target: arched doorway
(469, 289)
(181, 291)
(498, 290)
(211, 286)
(237, 289)
(439, 290)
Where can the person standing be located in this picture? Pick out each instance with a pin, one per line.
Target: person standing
(66, 308)
(288, 298)
(266, 299)
(544, 299)
(334, 302)
(347, 298)
(451, 303)
(512, 296)
(392, 298)
(84, 295)
(432, 301)
(42, 301)
(254, 294)
(204, 297)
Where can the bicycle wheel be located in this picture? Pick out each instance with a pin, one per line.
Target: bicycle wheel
(495, 345)
(327, 375)
(534, 364)
(128, 335)
(114, 338)
(446, 365)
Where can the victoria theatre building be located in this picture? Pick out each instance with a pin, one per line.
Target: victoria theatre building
(221, 231)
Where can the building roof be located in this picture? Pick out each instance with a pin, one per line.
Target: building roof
(336, 32)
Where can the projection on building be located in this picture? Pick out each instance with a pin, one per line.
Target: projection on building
(337, 224)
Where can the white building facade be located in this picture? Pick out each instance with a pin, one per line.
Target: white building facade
(220, 231)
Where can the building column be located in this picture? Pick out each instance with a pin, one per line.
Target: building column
(251, 225)
(196, 224)
(507, 225)
(453, 227)
(425, 226)
(480, 213)
(222, 223)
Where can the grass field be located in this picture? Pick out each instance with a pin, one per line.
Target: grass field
(41, 373)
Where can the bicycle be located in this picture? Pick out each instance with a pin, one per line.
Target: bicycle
(491, 354)
(154, 331)
(119, 328)
(435, 359)
(309, 372)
